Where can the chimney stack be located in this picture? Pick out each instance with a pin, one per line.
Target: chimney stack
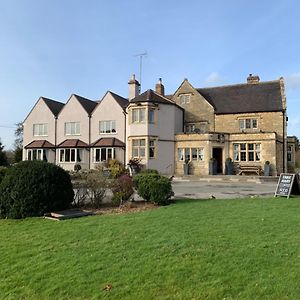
(134, 87)
(159, 88)
(252, 79)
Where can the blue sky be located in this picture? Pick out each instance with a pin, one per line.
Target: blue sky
(59, 47)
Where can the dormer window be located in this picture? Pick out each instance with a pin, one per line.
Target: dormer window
(185, 98)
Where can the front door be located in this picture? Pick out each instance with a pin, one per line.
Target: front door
(218, 156)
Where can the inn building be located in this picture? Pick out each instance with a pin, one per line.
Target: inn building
(246, 123)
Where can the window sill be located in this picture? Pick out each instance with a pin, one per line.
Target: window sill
(107, 133)
(78, 134)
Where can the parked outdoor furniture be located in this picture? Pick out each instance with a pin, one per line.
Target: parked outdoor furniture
(243, 170)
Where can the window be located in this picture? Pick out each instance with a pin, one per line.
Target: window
(37, 154)
(184, 98)
(107, 126)
(246, 152)
(289, 153)
(151, 116)
(104, 154)
(202, 128)
(180, 154)
(40, 129)
(138, 115)
(248, 124)
(151, 148)
(70, 155)
(138, 147)
(185, 154)
(189, 128)
(72, 128)
(197, 153)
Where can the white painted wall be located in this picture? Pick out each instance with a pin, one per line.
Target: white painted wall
(40, 114)
(73, 112)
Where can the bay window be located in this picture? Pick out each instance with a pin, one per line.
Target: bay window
(70, 155)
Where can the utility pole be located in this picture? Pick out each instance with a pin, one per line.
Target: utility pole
(141, 55)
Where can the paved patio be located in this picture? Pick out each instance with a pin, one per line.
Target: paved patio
(204, 188)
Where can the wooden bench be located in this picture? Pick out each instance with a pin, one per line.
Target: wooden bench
(249, 169)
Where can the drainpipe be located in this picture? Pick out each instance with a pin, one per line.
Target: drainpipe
(125, 139)
(283, 140)
(90, 141)
(55, 139)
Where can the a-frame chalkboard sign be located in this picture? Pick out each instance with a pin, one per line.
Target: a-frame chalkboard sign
(287, 184)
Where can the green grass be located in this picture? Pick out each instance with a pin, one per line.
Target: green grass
(217, 249)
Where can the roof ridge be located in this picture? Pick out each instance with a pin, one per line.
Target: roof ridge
(239, 84)
(49, 99)
(84, 98)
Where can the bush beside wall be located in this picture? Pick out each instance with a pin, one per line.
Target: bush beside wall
(154, 188)
(32, 188)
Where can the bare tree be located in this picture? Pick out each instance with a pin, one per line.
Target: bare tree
(18, 142)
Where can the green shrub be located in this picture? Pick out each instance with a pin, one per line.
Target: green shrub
(32, 188)
(116, 168)
(3, 171)
(122, 189)
(149, 171)
(153, 187)
(96, 185)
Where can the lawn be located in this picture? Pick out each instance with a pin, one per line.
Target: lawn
(214, 249)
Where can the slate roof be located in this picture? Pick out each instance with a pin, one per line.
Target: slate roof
(121, 101)
(244, 98)
(108, 142)
(73, 143)
(151, 96)
(53, 105)
(39, 144)
(87, 104)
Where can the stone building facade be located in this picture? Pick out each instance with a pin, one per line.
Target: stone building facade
(188, 130)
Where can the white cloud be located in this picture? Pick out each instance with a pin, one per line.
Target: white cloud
(292, 81)
(213, 78)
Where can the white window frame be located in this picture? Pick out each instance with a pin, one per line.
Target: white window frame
(72, 128)
(104, 154)
(78, 155)
(152, 148)
(190, 128)
(243, 152)
(151, 115)
(139, 146)
(184, 98)
(190, 154)
(107, 127)
(37, 154)
(138, 115)
(248, 124)
(40, 129)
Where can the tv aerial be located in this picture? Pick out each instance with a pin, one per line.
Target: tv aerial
(141, 56)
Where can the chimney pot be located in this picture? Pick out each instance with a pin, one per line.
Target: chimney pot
(134, 87)
(253, 79)
(159, 87)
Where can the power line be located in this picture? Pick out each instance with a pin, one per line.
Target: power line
(8, 126)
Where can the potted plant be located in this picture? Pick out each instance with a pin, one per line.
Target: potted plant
(228, 166)
(186, 167)
(213, 166)
(267, 168)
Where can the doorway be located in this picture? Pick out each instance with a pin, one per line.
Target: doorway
(218, 156)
